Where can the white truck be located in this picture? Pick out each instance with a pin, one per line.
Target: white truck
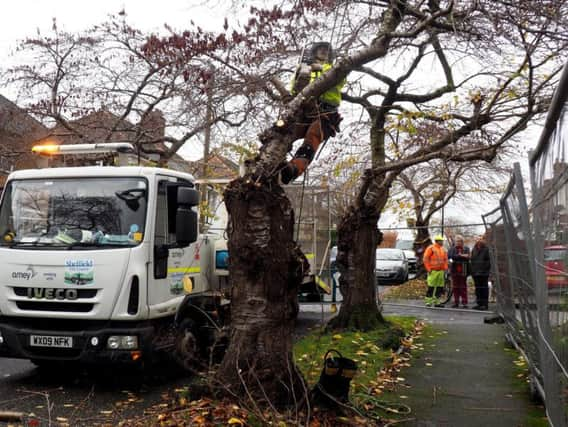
(105, 264)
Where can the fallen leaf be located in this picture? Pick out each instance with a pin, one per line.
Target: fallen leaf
(235, 420)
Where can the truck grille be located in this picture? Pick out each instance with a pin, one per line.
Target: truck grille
(71, 307)
(81, 293)
(79, 305)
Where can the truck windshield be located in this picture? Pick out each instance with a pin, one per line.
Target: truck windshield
(92, 212)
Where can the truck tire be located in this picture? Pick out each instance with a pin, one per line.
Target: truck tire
(187, 351)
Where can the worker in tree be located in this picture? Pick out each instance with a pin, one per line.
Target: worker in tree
(436, 263)
(320, 119)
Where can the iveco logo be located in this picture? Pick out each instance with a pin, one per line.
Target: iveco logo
(50, 293)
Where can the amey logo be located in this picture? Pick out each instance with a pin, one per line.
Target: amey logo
(24, 275)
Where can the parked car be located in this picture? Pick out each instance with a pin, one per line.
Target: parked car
(407, 247)
(555, 258)
(391, 266)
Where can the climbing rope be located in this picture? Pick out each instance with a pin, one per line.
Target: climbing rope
(380, 406)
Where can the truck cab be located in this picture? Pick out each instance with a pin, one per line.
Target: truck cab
(96, 262)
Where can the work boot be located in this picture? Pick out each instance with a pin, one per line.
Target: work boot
(288, 173)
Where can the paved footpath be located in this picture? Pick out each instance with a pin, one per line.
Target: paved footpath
(466, 377)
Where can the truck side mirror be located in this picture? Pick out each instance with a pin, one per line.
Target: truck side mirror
(186, 217)
(187, 196)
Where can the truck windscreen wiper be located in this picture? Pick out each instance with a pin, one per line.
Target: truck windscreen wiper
(34, 244)
(92, 245)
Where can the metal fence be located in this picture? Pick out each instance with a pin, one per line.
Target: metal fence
(529, 245)
(314, 231)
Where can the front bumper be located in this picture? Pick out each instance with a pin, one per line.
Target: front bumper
(390, 276)
(16, 343)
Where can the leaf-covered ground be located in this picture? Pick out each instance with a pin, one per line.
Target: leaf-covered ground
(412, 289)
(379, 371)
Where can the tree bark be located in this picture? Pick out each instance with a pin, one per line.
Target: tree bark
(358, 238)
(265, 271)
(421, 242)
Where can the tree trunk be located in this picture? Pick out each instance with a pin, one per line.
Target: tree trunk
(358, 238)
(265, 271)
(421, 242)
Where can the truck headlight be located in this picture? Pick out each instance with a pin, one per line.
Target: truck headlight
(113, 343)
(122, 342)
(129, 342)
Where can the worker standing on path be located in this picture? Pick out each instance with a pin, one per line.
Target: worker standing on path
(320, 119)
(459, 255)
(436, 263)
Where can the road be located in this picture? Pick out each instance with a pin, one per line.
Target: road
(107, 396)
(81, 397)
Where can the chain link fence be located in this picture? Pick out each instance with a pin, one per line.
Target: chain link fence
(529, 245)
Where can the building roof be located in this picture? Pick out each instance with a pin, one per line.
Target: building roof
(218, 166)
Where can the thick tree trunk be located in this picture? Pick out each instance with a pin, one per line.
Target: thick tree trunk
(358, 238)
(265, 267)
(421, 242)
(265, 272)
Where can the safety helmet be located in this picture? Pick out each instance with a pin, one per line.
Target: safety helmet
(439, 238)
(315, 46)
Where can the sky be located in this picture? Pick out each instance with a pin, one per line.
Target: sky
(23, 18)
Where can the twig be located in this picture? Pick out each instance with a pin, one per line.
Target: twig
(45, 394)
(83, 402)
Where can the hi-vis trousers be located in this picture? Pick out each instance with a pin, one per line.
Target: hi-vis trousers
(435, 282)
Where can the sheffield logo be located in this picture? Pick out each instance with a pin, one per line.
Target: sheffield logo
(24, 275)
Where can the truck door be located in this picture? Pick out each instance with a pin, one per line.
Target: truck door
(173, 269)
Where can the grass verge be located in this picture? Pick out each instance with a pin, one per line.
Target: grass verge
(369, 349)
(379, 366)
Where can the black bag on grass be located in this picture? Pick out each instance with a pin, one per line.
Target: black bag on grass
(335, 379)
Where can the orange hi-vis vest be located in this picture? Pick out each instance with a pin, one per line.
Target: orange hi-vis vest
(435, 258)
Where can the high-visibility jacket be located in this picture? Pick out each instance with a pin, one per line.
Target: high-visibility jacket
(333, 95)
(435, 258)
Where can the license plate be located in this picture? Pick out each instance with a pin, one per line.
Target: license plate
(383, 274)
(51, 341)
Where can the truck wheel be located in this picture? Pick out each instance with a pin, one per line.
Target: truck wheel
(187, 348)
